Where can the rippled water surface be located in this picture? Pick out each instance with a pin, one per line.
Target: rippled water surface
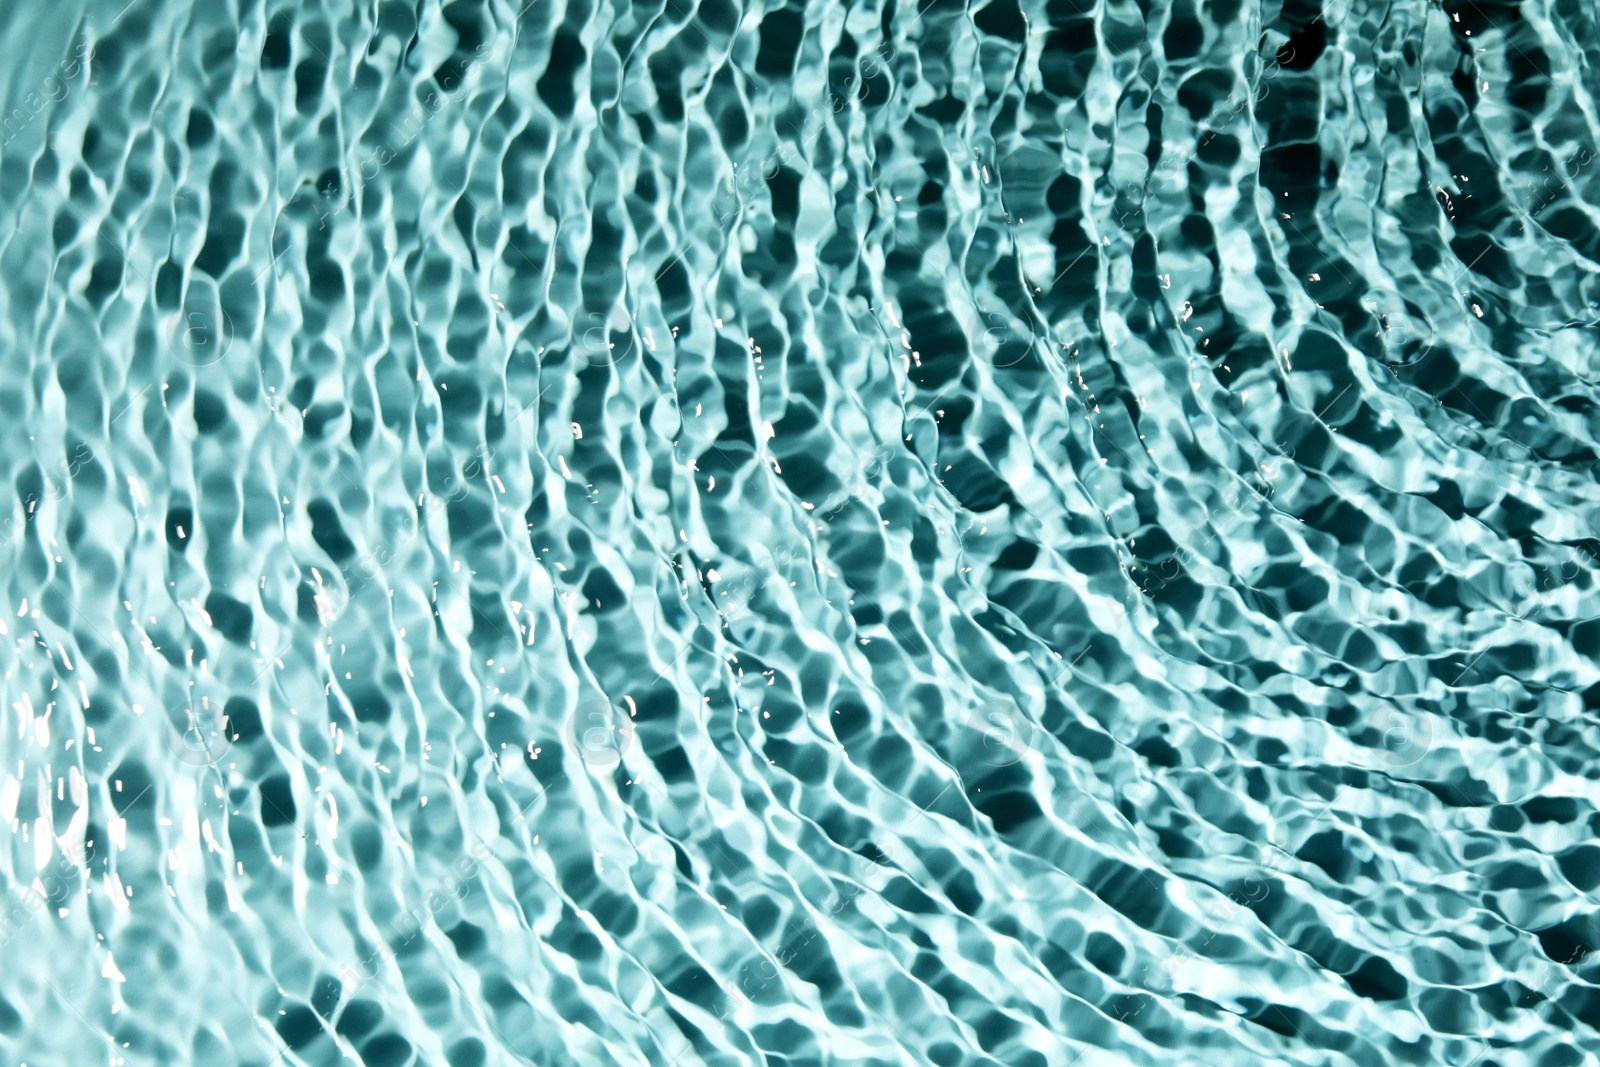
(677, 533)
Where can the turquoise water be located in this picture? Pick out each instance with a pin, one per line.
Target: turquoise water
(670, 534)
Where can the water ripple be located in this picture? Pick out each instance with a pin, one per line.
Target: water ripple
(681, 533)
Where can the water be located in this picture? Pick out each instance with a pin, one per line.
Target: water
(665, 535)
